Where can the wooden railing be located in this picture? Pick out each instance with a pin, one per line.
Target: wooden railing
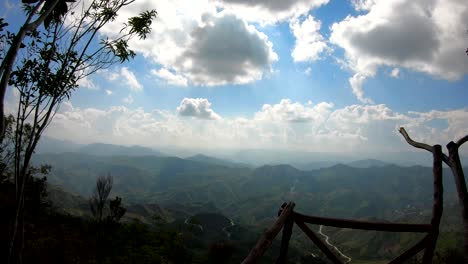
(287, 218)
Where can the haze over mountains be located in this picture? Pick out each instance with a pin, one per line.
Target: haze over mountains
(247, 157)
(244, 196)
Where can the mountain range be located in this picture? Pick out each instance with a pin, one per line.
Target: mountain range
(179, 190)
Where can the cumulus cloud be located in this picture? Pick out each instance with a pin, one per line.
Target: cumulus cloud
(201, 44)
(244, 55)
(197, 107)
(285, 125)
(122, 76)
(271, 11)
(362, 5)
(309, 43)
(169, 77)
(424, 36)
(128, 99)
(130, 79)
(109, 92)
(287, 111)
(395, 73)
(356, 85)
(86, 82)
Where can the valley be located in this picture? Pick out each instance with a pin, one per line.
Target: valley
(220, 200)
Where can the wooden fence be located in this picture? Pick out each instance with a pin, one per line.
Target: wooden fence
(287, 218)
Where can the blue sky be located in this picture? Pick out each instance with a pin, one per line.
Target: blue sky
(313, 75)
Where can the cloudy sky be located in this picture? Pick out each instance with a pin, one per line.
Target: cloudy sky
(313, 75)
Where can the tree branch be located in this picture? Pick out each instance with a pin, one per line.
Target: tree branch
(414, 143)
(423, 145)
(462, 140)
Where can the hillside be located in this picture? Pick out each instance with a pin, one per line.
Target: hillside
(250, 194)
(203, 197)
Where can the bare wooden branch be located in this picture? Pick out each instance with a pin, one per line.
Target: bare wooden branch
(322, 246)
(414, 143)
(462, 140)
(437, 206)
(267, 239)
(421, 145)
(363, 225)
(411, 252)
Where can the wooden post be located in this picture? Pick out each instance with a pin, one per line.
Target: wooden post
(267, 239)
(411, 252)
(460, 183)
(287, 232)
(324, 248)
(437, 206)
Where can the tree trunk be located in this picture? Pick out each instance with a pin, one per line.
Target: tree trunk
(10, 58)
(459, 177)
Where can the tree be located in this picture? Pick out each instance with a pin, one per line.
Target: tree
(56, 58)
(116, 210)
(51, 10)
(98, 200)
(101, 208)
(453, 161)
(106, 214)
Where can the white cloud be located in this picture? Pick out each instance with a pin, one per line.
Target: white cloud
(111, 76)
(286, 125)
(424, 36)
(242, 58)
(363, 5)
(128, 99)
(271, 11)
(197, 107)
(130, 79)
(86, 82)
(169, 77)
(202, 44)
(109, 92)
(309, 43)
(356, 85)
(395, 73)
(286, 111)
(308, 71)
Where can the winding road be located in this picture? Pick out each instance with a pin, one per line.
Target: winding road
(228, 234)
(348, 259)
(196, 225)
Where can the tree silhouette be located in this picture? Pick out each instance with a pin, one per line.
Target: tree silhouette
(55, 59)
(52, 10)
(98, 200)
(453, 161)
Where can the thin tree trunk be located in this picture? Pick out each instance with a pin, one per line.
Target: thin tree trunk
(459, 177)
(10, 58)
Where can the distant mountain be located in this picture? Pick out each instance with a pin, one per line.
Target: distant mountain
(250, 194)
(52, 145)
(101, 149)
(367, 163)
(216, 161)
(197, 191)
(314, 165)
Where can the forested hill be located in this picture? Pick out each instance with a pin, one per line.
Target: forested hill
(183, 192)
(250, 193)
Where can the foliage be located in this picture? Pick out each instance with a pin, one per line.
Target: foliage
(52, 237)
(54, 60)
(98, 200)
(116, 210)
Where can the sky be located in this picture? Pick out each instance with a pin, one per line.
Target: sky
(306, 75)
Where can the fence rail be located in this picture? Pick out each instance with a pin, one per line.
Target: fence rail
(287, 218)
